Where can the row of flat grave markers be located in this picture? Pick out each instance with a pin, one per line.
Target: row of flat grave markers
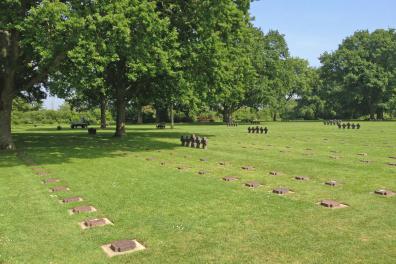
(348, 125)
(194, 141)
(331, 122)
(257, 130)
(115, 248)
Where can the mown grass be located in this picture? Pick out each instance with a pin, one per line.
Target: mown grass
(183, 217)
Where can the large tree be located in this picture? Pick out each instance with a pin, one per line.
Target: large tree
(35, 37)
(361, 73)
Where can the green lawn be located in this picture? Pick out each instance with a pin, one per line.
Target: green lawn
(183, 217)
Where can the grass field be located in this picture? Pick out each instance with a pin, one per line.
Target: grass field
(184, 217)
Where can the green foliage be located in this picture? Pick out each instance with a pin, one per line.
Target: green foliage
(64, 115)
(360, 77)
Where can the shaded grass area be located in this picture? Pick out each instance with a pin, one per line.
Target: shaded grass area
(183, 217)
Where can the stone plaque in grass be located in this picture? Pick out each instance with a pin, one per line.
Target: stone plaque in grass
(72, 199)
(309, 149)
(59, 189)
(83, 209)
(331, 204)
(51, 180)
(41, 173)
(203, 159)
(202, 172)
(334, 157)
(384, 192)
(90, 223)
(391, 164)
(252, 184)
(280, 191)
(331, 183)
(301, 178)
(121, 247)
(222, 163)
(248, 168)
(365, 161)
(274, 173)
(230, 178)
(392, 157)
(362, 154)
(150, 159)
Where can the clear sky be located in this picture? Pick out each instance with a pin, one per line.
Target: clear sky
(314, 26)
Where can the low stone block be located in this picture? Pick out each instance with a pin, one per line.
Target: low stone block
(59, 189)
(331, 183)
(83, 209)
(280, 191)
(72, 199)
(330, 203)
(274, 173)
(248, 168)
(384, 192)
(51, 180)
(122, 247)
(301, 178)
(230, 178)
(252, 184)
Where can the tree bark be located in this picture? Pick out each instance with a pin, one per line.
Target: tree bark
(103, 108)
(140, 114)
(227, 115)
(120, 109)
(6, 98)
(172, 117)
(274, 117)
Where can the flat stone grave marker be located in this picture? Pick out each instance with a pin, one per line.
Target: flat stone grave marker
(301, 178)
(335, 157)
(202, 172)
(248, 168)
(384, 192)
(281, 191)
(51, 180)
(365, 161)
(121, 247)
(391, 164)
(252, 184)
(97, 222)
(59, 189)
(222, 163)
(41, 173)
(203, 159)
(230, 178)
(331, 183)
(72, 199)
(274, 173)
(332, 204)
(83, 209)
(362, 154)
(309, 149)
(150, 159)
(392, 157)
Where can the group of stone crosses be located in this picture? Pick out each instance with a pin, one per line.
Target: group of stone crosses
(194, 141)
(232, 124)
(340, 124)
(257, 130)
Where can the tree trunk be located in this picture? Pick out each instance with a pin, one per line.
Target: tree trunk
(6, 98)
(103, 107)
(380, 114)
(120, 109)
(172, 117)
(227, 115)
(274, 117)
(139, 114)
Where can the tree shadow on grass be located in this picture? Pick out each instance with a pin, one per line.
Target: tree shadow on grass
(56, 147)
